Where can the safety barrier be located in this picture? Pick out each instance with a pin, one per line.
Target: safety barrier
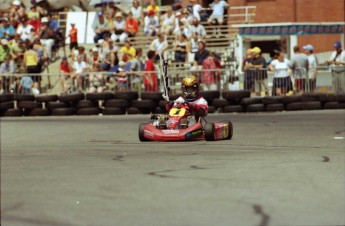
(259, 82)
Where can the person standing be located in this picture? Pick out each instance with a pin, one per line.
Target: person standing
(300, 67)
(281, 80)
(258, 66)
(249, 81)
(337, 63)
(312, 60)
(150, 79)
(73, 36)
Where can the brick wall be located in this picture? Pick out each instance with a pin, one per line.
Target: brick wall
(275, 11)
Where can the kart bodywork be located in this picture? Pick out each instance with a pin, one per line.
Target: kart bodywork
(179, 125)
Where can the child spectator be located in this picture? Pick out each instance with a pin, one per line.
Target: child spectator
(150, 80)
(121, 77)
(96, 80)
(25, 84)
(65, 70)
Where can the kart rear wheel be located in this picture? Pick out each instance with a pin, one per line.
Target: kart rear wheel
(209, 131)
(141, 132)
(230, 130)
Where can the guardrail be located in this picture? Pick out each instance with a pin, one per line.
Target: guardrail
(258, 82)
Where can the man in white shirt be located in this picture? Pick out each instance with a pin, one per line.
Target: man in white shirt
(337, 63)
(218, 7)
(79, 69)
(159, 44)
(197, 8)
(198, 28)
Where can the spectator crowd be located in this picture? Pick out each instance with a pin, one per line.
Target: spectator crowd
(30, 37)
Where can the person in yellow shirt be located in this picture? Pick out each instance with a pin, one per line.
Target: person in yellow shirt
(153, 6)
(127, 52)
(31, 61)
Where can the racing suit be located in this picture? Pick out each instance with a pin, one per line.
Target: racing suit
(199, 107)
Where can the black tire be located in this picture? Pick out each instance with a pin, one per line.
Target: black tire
(308, 97)
(46, 98)
(114, 111)
(291, 99)
(211, 109)
(141, 132)
(233, 108)
(210, 95)
(142, 104)
(174, 96)
(331, 105)
(272, 100)
(128, 95)
(87, 104)
(99, 96)
(324, 98)
(6, 97)
(12, 113)
(340, 98)
(162, 103)
(219, 103)
(311, 105)
(155, 96)
(209, 131)
(255, 108)
(38, 112)
(133, 111)
(72, 97)
(341, 105)
(24, 97)
(6, 105)
(275, 107)
(88, 111)
(29, 104)
(57, 104)
(235, 95)
(251, 100)
(294, 106)
(63, 111)
(159, 110)
(117, 103)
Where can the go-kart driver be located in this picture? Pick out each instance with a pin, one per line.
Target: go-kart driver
(191, 96)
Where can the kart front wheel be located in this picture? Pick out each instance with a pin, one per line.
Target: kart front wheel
(209, 131)
(141, 132)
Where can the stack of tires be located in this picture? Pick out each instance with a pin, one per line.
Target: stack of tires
(128, 102)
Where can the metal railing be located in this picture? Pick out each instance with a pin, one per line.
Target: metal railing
(259, 82)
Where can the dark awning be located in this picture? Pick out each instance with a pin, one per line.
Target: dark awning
(291, 28)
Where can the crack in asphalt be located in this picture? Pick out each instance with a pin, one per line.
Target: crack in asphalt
(325, 159)
(265, 218)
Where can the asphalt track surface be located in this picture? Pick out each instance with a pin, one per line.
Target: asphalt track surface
(284, 168)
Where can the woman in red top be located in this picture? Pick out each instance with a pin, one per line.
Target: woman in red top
(150, 79)
(65, 70)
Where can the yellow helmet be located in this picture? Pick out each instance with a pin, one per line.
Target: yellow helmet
(190, 88)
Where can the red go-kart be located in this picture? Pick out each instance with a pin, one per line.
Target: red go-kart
(180, 125)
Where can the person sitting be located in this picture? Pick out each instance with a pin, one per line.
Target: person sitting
(191, 96)
(79, 69)
(127, 52)
(151, 23)
(96, 80)
(46, 36)
(100, 26)
(132, 25)
(119, 28)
